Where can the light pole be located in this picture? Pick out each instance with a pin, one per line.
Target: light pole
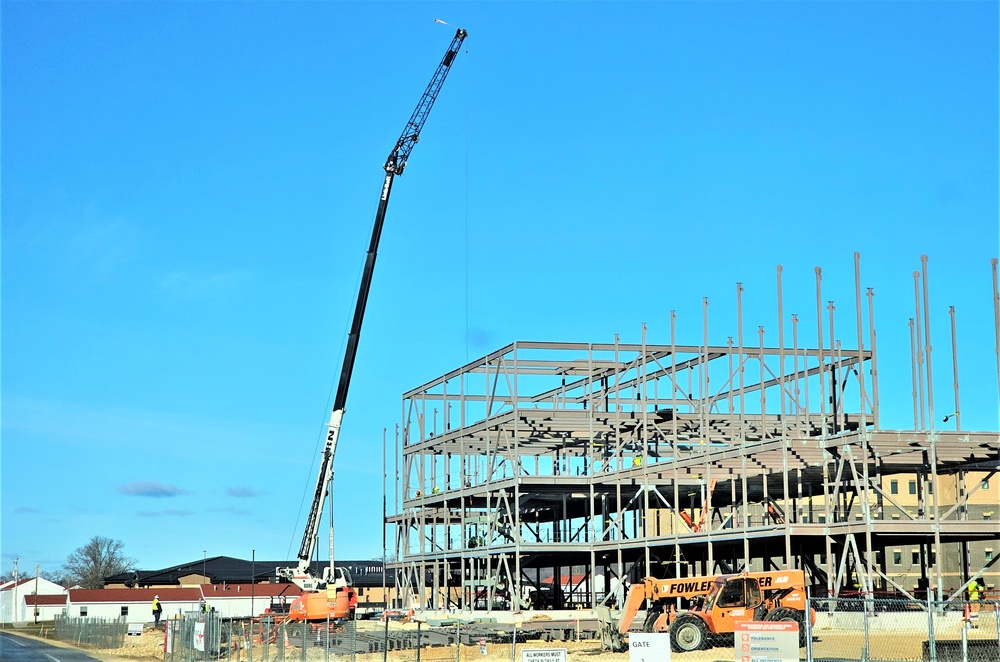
(253, 578)
(13, 605)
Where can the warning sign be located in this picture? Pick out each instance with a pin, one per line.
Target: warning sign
(543, 655)
(767, 641)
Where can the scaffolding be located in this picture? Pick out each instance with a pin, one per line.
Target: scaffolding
(548, 474)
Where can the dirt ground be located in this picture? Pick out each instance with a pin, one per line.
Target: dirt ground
(149, 648)
(843, 645)
(884, 645)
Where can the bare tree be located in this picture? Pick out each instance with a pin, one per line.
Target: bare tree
(60, 576)
(99, 558)
(57, 576)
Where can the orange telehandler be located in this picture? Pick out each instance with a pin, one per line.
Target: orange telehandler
(717, 604)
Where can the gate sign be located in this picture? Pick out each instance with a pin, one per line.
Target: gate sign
(543, 655)
(766, 641)
(649, 647)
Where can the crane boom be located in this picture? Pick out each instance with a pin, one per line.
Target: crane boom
(401, 152)
(394, 165)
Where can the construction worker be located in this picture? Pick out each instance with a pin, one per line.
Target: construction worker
(157, 610)
(974, 589)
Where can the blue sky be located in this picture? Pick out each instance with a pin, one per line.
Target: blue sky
(188, 190)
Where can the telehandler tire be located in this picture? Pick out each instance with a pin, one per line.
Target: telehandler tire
(651, 615)
(688, 633)
(783, 614)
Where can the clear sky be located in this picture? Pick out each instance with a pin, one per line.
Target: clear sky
(188, 190)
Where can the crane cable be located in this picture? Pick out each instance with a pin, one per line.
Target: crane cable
(466, 95)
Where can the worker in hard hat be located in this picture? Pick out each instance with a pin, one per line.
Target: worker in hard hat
(974, 589)
(157, 610)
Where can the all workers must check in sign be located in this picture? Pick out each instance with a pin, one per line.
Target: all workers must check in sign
(770, 641)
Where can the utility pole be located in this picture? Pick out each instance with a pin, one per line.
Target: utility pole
(13, 605)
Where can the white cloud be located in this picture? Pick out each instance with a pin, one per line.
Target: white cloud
(151, 489)
(242, 492)
(169, 512)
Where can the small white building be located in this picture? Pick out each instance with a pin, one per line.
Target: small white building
(245, 600)
(134, 604)
(45, 607)
(13, 607)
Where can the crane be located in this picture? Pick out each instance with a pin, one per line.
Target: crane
(342, 593)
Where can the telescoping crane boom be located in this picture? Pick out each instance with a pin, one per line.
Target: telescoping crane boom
(394, 165)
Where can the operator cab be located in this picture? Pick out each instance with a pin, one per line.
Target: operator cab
(342, 578)
(728, 592)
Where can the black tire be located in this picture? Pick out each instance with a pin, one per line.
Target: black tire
(688, 633)
(294, 633)
(651, 616)
(793, 615)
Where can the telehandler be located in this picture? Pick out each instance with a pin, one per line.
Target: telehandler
(717, 604)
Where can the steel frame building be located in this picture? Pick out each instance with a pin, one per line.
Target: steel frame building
(544, 474)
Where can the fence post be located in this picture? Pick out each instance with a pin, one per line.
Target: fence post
(932, 649)
(965, 639)
(866, 612)
(513, 643)
(996, 614)
(807, 624)
(458, 641)
(385, 636)
(419, 623)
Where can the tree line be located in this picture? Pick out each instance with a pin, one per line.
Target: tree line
(86, 566)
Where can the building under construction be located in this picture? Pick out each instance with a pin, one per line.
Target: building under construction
(545, 474)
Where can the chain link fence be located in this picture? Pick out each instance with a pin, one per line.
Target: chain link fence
(905, 630)
(882, 630)
(96, 632)
(202, 637)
